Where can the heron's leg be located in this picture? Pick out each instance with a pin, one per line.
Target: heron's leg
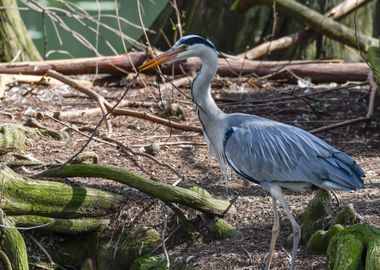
(275, 233)
(276, 192)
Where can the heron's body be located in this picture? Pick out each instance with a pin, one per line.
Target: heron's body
(272, 154)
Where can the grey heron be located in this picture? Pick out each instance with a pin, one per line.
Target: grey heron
(274, 155)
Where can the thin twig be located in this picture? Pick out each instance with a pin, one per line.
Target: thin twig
(131, 151)
(369, 115)
(79, 132)
(96, 96)
(26, 228)
(43, 250)
(164, 241)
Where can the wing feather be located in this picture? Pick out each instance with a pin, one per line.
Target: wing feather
(263, 150)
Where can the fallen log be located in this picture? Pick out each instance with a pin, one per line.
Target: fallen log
(103, 65)
(26, 196)
(168, 193)
(316, 71)
(338, 12)
(315, 21)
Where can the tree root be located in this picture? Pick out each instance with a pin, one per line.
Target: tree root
(67, 226)
(13, 244)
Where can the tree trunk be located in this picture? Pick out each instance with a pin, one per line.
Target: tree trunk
(316, 21)
(376, 21)
(14, 38)
(339, 12)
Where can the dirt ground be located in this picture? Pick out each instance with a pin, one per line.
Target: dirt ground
(252, 216)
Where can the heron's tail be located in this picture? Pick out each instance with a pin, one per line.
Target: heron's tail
(343, 172)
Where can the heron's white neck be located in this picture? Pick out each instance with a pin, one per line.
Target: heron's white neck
(200, 90)
(210, 116)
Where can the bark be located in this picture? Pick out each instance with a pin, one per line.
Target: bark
(13, 245)
(374, 60)
(14, 36)
(12, 138)
(315, 215)
(376, 21)
(25, 196)
(317, 71)
(119, 64)
(355, 247)
(67, 226)
(165, 192)
(229, 31)
(338, 12)
(315, 21)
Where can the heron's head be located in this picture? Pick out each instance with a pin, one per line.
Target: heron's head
(187, 46)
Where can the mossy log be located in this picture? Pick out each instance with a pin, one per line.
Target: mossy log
(26, 196)
(346, 216)
(165, 192)
(356, 247)
(314, 20)
(68, 226)
(13, 245)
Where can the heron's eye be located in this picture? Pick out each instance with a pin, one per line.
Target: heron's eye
(184, 46)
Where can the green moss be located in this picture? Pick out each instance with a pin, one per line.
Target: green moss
(220, 229)
(68, 226)
(372, 261)
(315, 215)
(320, 240)
(140, 241)
(345, 253)
(201, 191)
(14, 246)
(346, 248)
(165, 192)
(346, 216)
(149, 262)
(55, 134)
(36, 197)
(11, 138)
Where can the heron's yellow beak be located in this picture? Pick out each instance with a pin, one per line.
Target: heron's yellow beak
(159, 59)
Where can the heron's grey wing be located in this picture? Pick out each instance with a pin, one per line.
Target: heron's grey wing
(263, 150)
